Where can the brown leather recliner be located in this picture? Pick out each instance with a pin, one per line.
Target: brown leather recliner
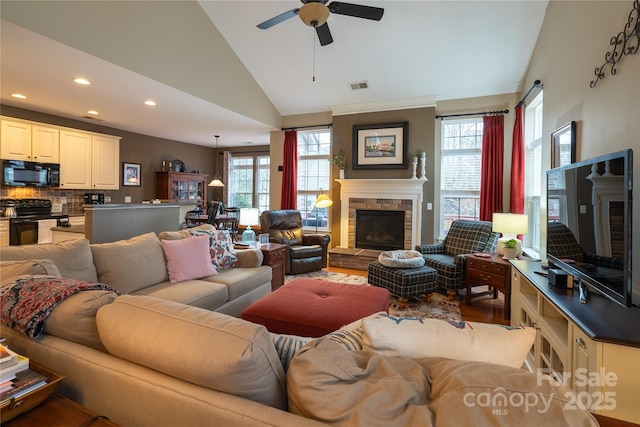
(307, 252)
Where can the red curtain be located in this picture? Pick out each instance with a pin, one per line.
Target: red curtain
(516, 204)
(290, 171)
(492, 165)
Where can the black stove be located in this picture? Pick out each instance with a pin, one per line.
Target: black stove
(28, 208)
(24, 217)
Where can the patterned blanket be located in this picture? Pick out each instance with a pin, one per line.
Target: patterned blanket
(27, 301)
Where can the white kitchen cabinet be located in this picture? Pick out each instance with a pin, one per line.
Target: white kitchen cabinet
(63, 236)
(27, 141)
(105, 162)
(75, 160)
(4, 233)
(89, 161)
(45, 144)
(15, 140)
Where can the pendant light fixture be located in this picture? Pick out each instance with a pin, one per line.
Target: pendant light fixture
(216, 181)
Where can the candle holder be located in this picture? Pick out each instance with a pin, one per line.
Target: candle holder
(423, 168)
(415, 168)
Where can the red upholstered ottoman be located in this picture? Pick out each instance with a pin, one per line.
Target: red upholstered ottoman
(313, 308)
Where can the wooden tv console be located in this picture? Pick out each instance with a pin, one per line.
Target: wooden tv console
(593, 348)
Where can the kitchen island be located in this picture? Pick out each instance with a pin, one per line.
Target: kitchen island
(112, 222)
(61, 234)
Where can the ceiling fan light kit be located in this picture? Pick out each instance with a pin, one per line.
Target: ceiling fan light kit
(314, 14)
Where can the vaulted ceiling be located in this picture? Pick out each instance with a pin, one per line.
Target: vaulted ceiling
(211, 71)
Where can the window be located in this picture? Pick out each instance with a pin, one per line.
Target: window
(249, 181)
(314, 170)
(533, 171)
(460, 152)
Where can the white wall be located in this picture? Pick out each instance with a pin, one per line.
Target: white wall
(574, 39)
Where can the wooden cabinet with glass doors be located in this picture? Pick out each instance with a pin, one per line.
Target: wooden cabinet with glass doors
(182, 187)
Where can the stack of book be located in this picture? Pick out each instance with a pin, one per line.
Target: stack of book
(16, 379)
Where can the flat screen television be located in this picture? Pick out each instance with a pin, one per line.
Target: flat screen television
(589, 224)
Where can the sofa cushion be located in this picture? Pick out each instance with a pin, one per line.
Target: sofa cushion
(26, 302)
(240, 280)
(287, 346)
(188, 258)
(74, 319)
(223, 254)
(183, 234)
(331, 384)
(130, 265)
(9, 269)
(199, 346)
(196, 293)
(415, 338)
(483, 394)
(73, 258)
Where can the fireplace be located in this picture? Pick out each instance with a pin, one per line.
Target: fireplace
(381, 195)
(379, 229)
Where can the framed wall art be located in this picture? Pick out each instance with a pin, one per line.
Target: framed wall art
(131, 174)
(563, 145)
(381, 146)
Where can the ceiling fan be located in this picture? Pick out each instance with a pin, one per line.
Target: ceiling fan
(314, 13)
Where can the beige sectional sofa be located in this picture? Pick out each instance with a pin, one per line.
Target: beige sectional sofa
(137, 266)
(146, 358)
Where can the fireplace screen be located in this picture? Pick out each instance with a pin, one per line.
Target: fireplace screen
(383, 230)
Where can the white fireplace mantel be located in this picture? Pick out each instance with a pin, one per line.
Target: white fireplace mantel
(407, 189)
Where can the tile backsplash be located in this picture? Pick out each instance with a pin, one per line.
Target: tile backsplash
(75, 198)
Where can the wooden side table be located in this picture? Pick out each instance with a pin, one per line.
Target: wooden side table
(58, 411)
(493, 271)
(274, 256)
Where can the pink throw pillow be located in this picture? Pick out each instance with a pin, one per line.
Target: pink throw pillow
(188, 258)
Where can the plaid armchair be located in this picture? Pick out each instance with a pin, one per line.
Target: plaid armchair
(447, 258)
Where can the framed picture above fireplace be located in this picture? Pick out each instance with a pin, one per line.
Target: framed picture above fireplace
(380, 146)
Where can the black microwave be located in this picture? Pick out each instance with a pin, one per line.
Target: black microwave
(17, 173)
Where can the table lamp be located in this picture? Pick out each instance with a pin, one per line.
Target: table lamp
(510, 225)
(249, 217)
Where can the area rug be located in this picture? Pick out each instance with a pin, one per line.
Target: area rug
(439, 307)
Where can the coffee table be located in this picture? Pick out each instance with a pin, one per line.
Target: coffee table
(313, 308)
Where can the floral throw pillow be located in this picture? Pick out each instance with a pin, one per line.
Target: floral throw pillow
(223, 255)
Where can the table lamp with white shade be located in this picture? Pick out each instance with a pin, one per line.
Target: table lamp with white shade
(249, 217)
(510, 225)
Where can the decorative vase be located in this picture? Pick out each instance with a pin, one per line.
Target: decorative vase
(510, 253)
(341, 176)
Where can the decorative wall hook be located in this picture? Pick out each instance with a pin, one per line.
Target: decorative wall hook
(625, 43)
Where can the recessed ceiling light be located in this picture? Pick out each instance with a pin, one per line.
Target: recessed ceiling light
(150, 103)
(19, 95)
(94, 112)
(82, 81)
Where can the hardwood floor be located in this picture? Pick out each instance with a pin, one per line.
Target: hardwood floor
(482, 309)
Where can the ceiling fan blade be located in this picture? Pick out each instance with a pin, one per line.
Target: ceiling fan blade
(278, 19)
(356, 10)
(324, 35)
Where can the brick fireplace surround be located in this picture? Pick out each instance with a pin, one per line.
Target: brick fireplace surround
(376, 194)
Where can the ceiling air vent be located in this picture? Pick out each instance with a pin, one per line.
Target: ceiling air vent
(359, 85)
